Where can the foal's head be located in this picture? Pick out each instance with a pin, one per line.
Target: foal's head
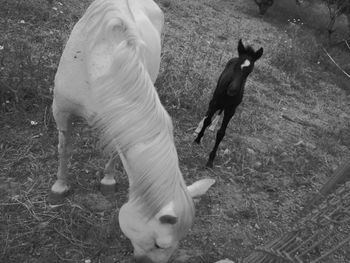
(155, 239)
(243, 67)
(263, 5)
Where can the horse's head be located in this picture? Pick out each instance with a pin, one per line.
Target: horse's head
(263, 5)
(155, 239)
(243, 67)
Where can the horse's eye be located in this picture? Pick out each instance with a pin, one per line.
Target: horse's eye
(157, 247)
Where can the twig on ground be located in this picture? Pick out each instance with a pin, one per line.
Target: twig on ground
(301, 122)
(6, 244)
(62, 258)
(347, 44)
(28, 208)
(73, 240)
(330, 57)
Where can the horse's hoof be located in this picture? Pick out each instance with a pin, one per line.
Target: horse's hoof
(107, 189)
(55, 199)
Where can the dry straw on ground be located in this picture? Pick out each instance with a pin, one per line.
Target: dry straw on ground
(289, 134)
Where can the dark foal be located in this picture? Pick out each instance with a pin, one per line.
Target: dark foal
(228, 94)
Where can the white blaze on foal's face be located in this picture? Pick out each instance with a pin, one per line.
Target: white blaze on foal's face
(246, 63)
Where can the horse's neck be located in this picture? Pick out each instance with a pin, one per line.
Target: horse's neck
(136, 154)
(131, 156)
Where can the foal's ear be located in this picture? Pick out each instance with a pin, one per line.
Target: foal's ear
(240, 48)
(258, 54)
(200, 187)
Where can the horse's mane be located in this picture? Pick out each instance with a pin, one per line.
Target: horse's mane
(128, 112)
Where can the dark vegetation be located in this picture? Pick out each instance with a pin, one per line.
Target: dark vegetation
(288, 135)
(336, 8)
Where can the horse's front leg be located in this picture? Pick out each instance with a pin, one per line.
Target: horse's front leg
(108, 182)
(61, 187)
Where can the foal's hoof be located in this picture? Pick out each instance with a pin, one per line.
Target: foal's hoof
(107, 189)
(209, 164)
(195, 134)
(197, 141)
(56, 198)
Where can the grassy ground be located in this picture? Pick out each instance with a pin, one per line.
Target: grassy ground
(289, 134)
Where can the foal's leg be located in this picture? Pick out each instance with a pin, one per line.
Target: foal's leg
(61, 187)
(108, 182)
(207, 121)
(215, 122)
(220, 135)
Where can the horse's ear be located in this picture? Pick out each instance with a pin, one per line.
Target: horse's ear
(240, 48)
(200, 187)
(258, 54)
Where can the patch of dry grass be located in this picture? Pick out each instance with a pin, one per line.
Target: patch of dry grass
(83, 228)
(33, 34)
(286, 138)
(267, 163)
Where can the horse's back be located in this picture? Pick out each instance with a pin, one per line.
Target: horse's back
(88, 54)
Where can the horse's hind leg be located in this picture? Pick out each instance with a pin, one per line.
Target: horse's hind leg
(108, 182)
(61, 187)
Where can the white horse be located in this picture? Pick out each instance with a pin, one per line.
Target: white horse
(106, 75)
